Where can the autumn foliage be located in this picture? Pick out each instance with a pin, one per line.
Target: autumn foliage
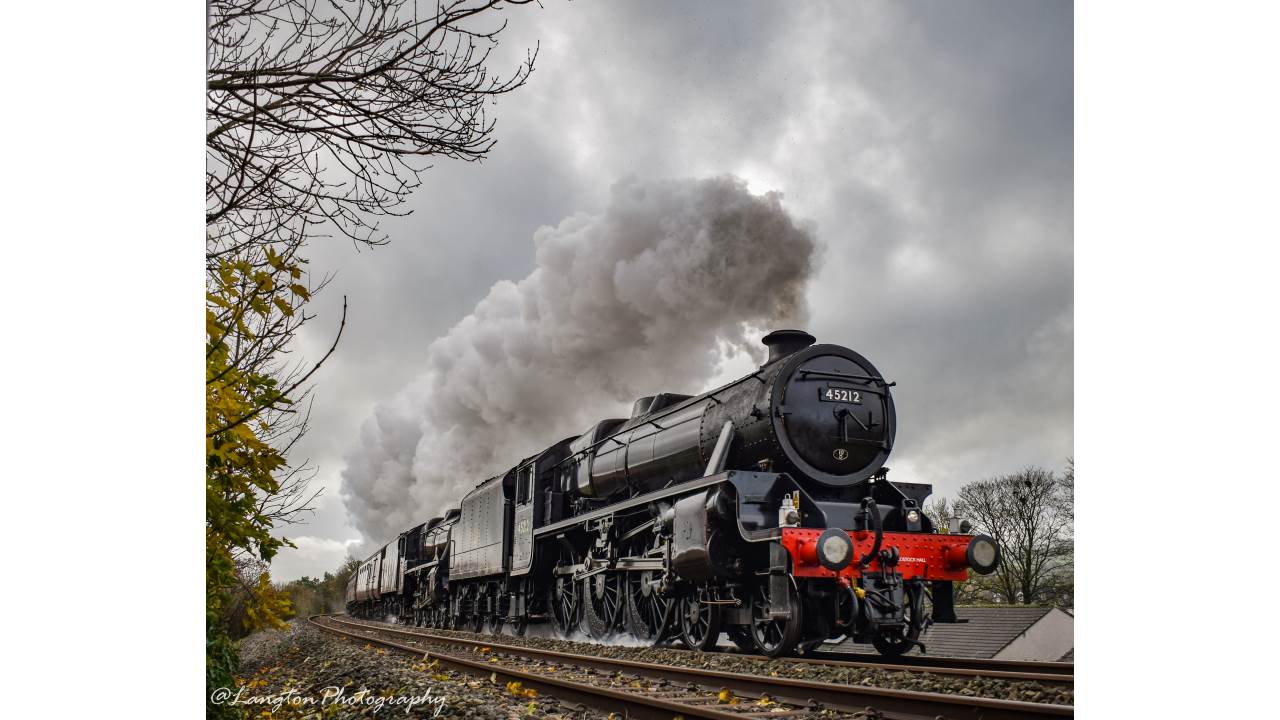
(246, 410)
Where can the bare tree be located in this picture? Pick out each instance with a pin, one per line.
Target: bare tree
(293, 500)
(322, 113)
(1067, 485)
(940, 513)
(1029, 513)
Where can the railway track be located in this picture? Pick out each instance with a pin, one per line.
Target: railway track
(649, 690)
(1048, 673)
(1031, 669)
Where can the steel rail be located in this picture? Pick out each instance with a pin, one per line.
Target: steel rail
(1013, 671)
(847, 698)
(1059, 670)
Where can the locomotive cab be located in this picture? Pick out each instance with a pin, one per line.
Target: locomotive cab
(538, 502)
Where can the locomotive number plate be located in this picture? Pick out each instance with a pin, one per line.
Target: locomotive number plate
(835, 393)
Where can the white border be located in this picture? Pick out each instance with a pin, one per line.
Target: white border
(1176, 201)
(102, 395)
(1176, 205)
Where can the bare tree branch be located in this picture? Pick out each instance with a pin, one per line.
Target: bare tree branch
(322, 112)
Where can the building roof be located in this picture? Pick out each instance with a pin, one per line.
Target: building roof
(988, 631)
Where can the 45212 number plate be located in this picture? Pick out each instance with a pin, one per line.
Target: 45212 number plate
(835, 393)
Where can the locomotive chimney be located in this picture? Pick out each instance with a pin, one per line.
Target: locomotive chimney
(782, 343)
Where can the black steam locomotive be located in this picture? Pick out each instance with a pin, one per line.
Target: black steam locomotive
(760, 509)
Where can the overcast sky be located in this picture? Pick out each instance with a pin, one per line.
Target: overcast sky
(926, 146)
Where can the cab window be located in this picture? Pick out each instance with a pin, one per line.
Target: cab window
(524, 484)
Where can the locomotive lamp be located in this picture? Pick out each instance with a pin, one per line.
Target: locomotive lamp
(789, 512)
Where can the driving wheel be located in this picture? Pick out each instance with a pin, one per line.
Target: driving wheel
(603, 604)
(699, 620)
(772, 633)
(646, 607)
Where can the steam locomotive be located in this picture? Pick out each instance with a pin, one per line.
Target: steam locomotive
(761, 510)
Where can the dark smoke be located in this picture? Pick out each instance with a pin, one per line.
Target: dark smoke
(650, 296)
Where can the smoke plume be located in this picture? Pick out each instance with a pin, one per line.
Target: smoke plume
(650, 296)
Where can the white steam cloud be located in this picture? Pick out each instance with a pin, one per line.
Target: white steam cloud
(650, 296)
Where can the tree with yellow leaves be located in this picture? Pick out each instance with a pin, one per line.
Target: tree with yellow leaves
(254, 307)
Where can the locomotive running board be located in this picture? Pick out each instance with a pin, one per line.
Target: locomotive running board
(638, 501)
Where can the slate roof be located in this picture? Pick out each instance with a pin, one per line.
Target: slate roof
(989, 629)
